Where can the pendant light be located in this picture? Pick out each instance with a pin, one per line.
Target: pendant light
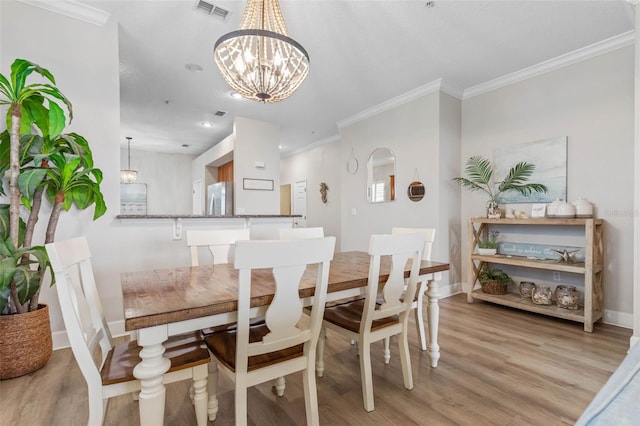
(128, 176)
(260, 61)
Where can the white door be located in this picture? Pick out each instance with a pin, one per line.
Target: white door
(300, 204)
(197, 196)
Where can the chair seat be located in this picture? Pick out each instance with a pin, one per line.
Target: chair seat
(184, 351)
(223, 345)
(349, 315)
(233, 326)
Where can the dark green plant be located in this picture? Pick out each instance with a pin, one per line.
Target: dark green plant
(491, 242)
(494, 274)
(36, 159)
(480, 178)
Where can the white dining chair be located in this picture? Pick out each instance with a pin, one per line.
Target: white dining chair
(417, 305)
(218, 241)
(110, 373)
(366, 321)
(283, 344)
(301, 233)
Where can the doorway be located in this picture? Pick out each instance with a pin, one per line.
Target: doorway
(300, 204)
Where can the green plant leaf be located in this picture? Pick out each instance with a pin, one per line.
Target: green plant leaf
(27, 283)
(29, 180)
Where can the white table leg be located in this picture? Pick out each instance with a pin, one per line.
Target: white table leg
(150, 371)
(433, 310)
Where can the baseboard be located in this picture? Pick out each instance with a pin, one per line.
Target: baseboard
(450, 290)
(620, 319)
(61, 341)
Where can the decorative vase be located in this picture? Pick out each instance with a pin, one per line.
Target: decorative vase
(583, 208)
(487, 251)
(25, 342)
(493, 211)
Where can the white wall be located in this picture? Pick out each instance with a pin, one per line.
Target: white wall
(256, 141)
(322, 163)
(84, 60)
(168, 180)
(590, 102)
(635, 339)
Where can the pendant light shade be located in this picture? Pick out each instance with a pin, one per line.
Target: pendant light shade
(128, 176)
(260, 61)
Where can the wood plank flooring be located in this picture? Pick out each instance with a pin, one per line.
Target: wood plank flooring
(499, 366)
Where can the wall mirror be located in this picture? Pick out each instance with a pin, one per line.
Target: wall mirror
(381, 176)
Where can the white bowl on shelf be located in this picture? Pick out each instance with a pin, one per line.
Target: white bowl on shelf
(487, 251)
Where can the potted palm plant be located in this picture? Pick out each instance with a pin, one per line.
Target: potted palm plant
(489, 246)
(494, 281)
(480, 178)
(37, 161)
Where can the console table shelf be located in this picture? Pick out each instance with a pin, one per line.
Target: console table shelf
(591, 268)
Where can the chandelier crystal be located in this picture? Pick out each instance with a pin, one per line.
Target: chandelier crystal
(128, 176)
(260, 61)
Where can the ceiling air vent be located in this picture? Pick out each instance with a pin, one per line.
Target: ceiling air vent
(211, 9)
(220, 113)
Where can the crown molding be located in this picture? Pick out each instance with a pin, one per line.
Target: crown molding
(634, 2)
(599, 48)
(309, 147)
(73, 9)
(434, 86)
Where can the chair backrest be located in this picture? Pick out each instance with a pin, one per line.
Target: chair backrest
(288, 260)
(429, 234)
(80, 305)
(401, 248)
(301, 233)
(217, 240)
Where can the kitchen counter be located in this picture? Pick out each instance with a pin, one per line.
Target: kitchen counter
(262, 226)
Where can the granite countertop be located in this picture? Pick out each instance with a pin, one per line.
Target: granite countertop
(196, 216)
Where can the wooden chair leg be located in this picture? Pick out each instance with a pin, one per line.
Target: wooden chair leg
(200, 393)
(212, 406)
(366, 375)
(320, 352)
(420, 319)
(280, 385)
(405, 359)
(310, 396)
(241, 403)
(387, 351)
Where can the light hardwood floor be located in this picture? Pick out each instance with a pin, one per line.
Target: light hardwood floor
(498, 367)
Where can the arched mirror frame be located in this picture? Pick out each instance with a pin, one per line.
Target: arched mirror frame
(381, 174)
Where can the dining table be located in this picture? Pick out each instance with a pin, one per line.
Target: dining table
(160, 303)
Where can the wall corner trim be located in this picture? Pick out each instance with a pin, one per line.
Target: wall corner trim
(587, 52)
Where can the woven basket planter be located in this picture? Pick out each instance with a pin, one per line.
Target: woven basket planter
(25, 342)
(493, 287)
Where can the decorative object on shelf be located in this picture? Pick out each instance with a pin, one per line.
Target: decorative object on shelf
(494, 281)
(564, 256)
(416, 189)
(489, 246)
(567, 297)
(40, 162)
(541, 295)
(539, 251)
(526, 288)
(538, 210)
(480, 173)
(323, 191)
(565, 210)
(552, 207)
(352, 164)
(128, 175)
(550, 158)
(584, 208)
(260, 61)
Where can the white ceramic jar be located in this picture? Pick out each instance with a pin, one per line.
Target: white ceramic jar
(552, 207)
(583, 208)
(565, 210)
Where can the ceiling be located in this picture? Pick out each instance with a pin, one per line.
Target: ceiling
(362, 54)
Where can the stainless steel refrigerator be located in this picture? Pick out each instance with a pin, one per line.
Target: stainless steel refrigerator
(220, 199)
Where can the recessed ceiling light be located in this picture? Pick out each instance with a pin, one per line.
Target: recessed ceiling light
(206, 124)
(236, 95)
(280, 146)
(194, 67)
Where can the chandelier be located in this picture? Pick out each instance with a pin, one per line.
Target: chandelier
(128, 176)
(260, 61)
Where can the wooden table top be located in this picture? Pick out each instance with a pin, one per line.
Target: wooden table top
(164, 296)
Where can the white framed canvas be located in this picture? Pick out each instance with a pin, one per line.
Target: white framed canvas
(550, 158)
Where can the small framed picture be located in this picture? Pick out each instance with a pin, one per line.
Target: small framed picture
(538, 210)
